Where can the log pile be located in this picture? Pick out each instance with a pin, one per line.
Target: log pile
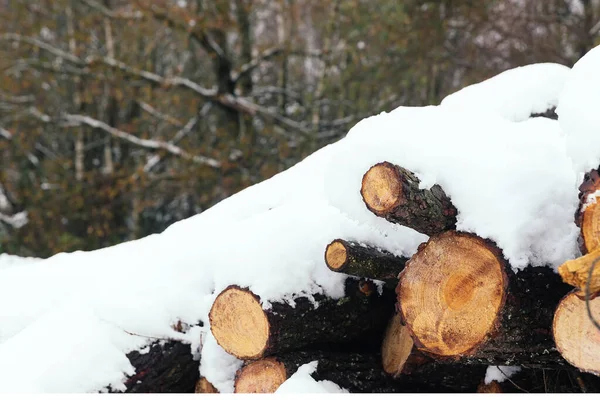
(457, 308)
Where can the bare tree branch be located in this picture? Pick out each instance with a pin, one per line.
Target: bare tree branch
(17, 220)
(157, 114)
(111, 14)
(42, 45)
(250, 66)
(145, 143)
(5, 134)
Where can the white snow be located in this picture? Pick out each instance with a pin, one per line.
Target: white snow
(499, 373)
(578, 111)
(512, 181)
(303, 382)
(514, 94)
(9, 261)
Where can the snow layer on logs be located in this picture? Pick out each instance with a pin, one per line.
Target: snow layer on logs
(78, 314)
(302, 382)
(514, 94)
(578, 112)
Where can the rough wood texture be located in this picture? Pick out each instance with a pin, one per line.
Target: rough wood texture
(166, 368)
(204, 386)
(357, 372)
(460, 300)
(588, 213)
(577, 273)
(244, 329)
(492, 387)
(392, 192)
(577, 339)
(363, 261)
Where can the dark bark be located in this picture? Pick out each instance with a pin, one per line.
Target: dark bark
(549, 113)
(166, 368)
(366, 261)
(362, 373)
(356, 316)
(428, 211)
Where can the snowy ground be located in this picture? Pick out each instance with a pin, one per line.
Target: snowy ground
(513, 180)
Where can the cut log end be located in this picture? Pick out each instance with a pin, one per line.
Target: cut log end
(239, 324)
(381, 188)
(204, 386)
(396, 348)
(577, 273)
(577, 339)
(452, 292)
(262, 376)
(590, 226)
(336, 255)
(492, 387)
(588, 214)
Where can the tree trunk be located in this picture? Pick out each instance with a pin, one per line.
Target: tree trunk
(460, 300)
(363, 261)
(393, 193)
(576, 337)
(358, 373)
(166, 368)
(244, 329)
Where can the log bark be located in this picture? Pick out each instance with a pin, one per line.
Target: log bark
(363, 261)
(356, 372)
(244, 329)
(576, 337)
(460, 300)
(167, 368)
(392, 192)
(588, 213)
(579, 273)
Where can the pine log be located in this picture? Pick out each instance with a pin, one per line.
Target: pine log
(460, 300)
(356, 372)
(588, 213)
(492, 387)
(576, 337)
(392, 192)
(398, 352)
(363, 261)
(167, 368)
(244, 329)
(204, 386)
(579, 272)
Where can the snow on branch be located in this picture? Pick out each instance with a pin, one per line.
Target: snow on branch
(146, 143)
(17, 220)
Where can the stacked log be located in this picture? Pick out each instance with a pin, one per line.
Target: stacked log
(576, 328)
(459, 308)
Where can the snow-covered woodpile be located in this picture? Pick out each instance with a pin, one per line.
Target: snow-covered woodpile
(422, 252)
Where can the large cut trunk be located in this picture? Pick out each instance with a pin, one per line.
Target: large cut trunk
(588, 214)
(358, 373)
(166, 368)
(363, 261)
(244, 329)
(577, 339)
(393, 193)
(460, 300)
(583, 273)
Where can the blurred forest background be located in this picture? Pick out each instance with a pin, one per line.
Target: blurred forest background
(120, 117)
